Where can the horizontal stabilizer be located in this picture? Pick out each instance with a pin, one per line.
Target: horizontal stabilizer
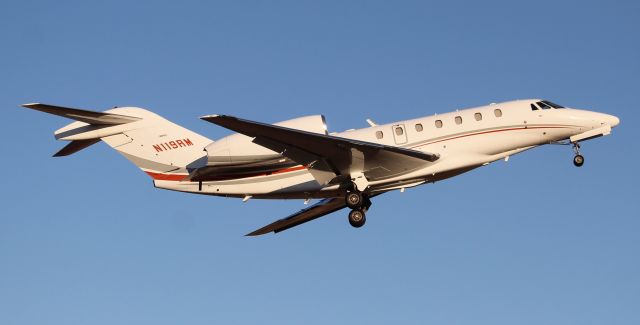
(86, 116)
(75, 146)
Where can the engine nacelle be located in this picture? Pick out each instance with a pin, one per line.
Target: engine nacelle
(237, 149)
(312, 123)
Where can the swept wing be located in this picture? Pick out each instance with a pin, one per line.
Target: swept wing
(315, 211)
(329, 158)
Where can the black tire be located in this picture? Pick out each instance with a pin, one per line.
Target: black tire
(353, 200)
(357, 218)
(578, 160)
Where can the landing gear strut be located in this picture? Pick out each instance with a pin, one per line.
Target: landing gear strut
(578, 159)
(359, 203)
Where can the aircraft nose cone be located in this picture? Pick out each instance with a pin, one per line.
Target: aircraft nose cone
(612, 120)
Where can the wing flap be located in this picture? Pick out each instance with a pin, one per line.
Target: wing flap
(318, 166)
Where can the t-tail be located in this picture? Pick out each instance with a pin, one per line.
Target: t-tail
(162, 149)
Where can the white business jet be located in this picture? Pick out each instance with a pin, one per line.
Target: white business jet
(300, 159)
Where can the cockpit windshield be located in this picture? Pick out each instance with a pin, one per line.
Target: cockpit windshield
(554, 105)
(545, 104)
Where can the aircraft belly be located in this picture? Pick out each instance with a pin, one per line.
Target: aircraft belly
(490, 143)
(466, 153)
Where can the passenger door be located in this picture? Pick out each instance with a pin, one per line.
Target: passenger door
(399, 134)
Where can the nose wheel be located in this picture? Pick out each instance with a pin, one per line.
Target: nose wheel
(578, 159)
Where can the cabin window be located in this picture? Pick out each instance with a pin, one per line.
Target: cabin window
(438, 124)
(534, 107)
(497, 112)
(379, 134)
(399, 131)
(478, 116)
(419, 127)
(458, 120)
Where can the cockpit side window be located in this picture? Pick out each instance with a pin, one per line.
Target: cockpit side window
(534, 107)
(543, 105)
(554, 105)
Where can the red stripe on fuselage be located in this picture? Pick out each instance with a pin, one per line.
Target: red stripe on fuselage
(166, 177)
(179, 177)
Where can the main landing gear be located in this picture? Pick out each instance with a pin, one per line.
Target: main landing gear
(578, 159)
(357, 218)
(359, 203)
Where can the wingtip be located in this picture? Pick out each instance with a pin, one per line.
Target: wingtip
(256, 233)
(214, 117)
(209, 116)
(30, 105)
(262, 231)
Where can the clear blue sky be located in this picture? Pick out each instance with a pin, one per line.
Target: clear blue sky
(86, 239)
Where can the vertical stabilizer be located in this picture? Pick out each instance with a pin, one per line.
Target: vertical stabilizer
(162, 149)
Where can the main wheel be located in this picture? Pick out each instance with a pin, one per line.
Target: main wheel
(578, 160)
(357, 218)
(353, 199)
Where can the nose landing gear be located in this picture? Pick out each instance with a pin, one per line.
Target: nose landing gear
(578, 159)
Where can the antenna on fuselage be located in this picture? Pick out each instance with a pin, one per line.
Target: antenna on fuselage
(371, 122)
